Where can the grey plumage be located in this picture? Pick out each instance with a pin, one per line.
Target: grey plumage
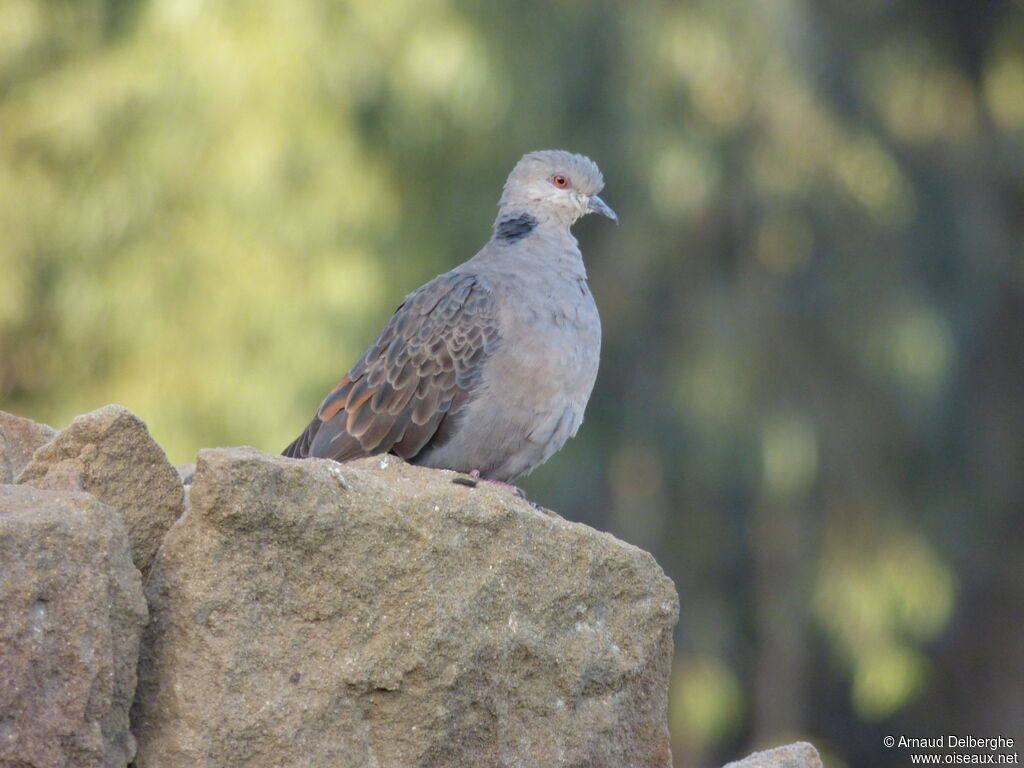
(487, 367)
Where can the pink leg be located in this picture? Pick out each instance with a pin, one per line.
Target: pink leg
(473, 476)
(514, 488)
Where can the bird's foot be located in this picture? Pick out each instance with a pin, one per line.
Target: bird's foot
(514, 488)
(472, 478)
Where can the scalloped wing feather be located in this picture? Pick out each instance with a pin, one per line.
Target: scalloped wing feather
(407, 390)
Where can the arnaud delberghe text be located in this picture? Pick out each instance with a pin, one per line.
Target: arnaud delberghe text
(952, 741)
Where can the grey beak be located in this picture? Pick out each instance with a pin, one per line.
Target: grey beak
(597, 205)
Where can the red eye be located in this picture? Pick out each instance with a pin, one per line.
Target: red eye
(560, 181)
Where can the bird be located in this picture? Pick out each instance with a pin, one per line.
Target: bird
(487, 368)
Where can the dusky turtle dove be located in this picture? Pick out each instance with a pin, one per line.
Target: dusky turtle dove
(487, 368)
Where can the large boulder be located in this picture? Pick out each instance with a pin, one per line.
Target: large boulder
(376, 614)
(110, 454)
(799, 754)
(71, 611)
(19, 439)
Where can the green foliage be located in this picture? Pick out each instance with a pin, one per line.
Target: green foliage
(880, 598)
(809, 402)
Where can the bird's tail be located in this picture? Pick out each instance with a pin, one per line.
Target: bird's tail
(299, 448)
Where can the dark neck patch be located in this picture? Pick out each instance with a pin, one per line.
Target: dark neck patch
(514, 229)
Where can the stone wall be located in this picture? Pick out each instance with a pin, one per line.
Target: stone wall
(306, 613)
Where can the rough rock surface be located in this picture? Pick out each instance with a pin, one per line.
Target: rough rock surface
(71, 612)
(800, 754)
(186, 472)
(19, 439)
(110, 454)
(376, 614)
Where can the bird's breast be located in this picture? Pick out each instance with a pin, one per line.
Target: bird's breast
(551, 339)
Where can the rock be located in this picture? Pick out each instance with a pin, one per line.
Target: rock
(71, 611)
(376, 614)
(186, 472)
(800, 754)
(19, 439)
(110, 454)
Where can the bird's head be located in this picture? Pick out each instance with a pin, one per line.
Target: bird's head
(554, 185)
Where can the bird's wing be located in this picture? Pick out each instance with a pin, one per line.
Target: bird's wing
(419, 373)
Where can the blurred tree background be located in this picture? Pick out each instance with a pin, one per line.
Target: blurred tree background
(810, 403)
